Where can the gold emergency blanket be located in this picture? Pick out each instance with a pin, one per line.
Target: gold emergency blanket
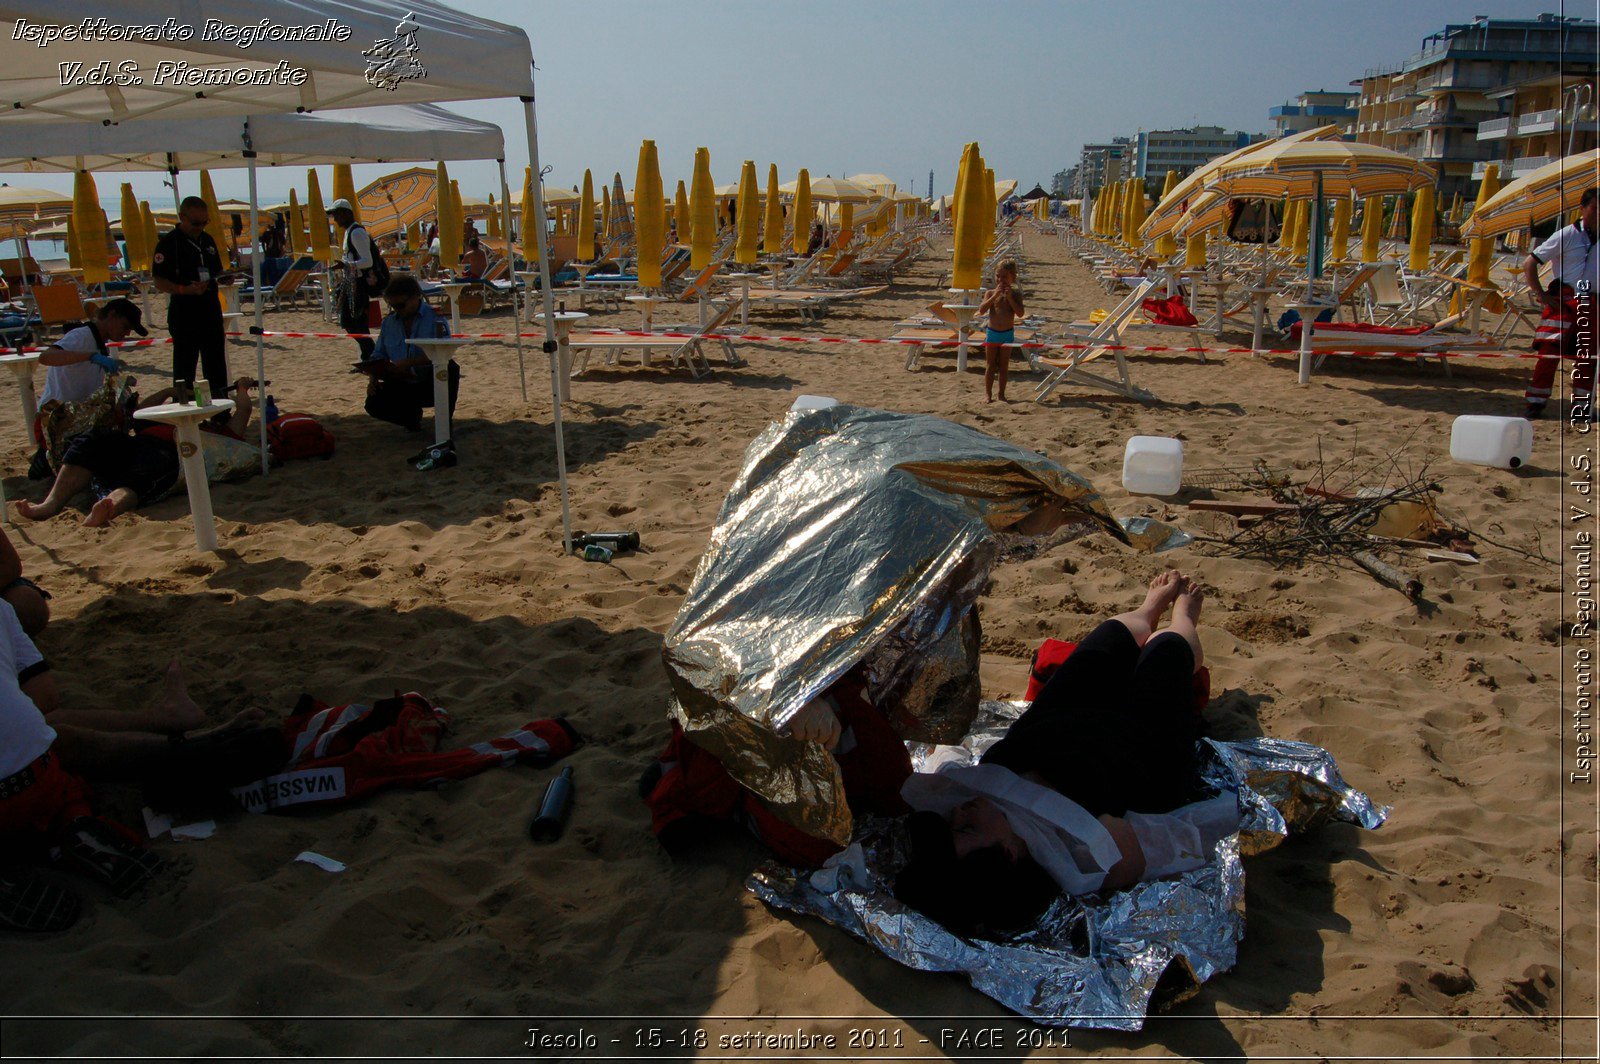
(857, 536)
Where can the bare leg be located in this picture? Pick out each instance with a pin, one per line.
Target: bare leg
(988, 372)
(1142, 621)
(69, 481)
(1186, 617)
(32, 610)
(1003, 366)
(108, 509)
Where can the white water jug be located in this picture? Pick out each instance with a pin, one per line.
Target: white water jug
(813, 402)
(1153, 465)
(1506, 442)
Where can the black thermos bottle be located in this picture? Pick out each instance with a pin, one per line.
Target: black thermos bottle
(553, 808)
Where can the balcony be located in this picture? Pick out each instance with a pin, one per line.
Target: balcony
(1527, 165)
(1535, 122)
(1493, 130)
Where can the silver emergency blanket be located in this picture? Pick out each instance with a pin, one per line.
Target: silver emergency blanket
(1096, 960)
(858, 536)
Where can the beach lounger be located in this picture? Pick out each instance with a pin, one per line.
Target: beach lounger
(687, 352)
(1070, 368)
(58, 305)
(288, 286)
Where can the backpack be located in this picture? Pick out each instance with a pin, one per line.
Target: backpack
(298, 436)
(377, 276)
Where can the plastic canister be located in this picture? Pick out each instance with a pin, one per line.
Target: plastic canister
(1153, 465)
(812, 402)
(1479, 439)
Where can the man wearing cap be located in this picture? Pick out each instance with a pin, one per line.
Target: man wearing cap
(1567, 322)
(186, 266)
(360, 262)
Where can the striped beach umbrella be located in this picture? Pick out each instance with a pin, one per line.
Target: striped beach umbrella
(1552, 191)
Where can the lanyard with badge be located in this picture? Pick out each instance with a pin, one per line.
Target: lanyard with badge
(203, 271)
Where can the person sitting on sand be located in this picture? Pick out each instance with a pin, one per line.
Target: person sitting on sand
(124, 469)
(26, 597)
(474, 260)
(46, 752)
(401, 376)
(1091, 788)
(1003, 304)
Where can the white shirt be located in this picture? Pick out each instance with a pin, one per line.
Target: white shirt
(74, 383)
(1575, 255)
(1066, 839)
(24, 735)
(358, 247)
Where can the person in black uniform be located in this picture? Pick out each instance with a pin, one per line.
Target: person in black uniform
(186, 266)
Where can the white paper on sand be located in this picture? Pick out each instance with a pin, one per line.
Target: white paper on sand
(327, 864)
(156, 824)
(194, 832)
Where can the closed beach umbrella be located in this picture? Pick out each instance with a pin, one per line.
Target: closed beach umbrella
(493, 221)
(443, 212)
(1194, 252)
(1422, 230)
(296, 233)
(772, 236)
(586, 219)
(1286, 228)
(702, 212)
(847, 224)
(1113, 219)
(749, 216)
(344, 187)
(89, 229)
(1339, 246)
(991, 207)
(1371, 228)
(802, 212)
(1552, 191)
(74, 249)
(317, 222)
(1482, 248)
(1130, 195)
(133, 231)
(458, 217)
(1302, 227)
(967, 271)
(651, 215)
(532, 227)
(606, 223)
(149, 221)
(1167, 244)
(214, 226)
(680, 213)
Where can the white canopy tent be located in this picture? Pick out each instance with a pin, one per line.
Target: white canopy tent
(193, 61)
(414, 133)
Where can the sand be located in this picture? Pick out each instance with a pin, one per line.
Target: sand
(356, 577)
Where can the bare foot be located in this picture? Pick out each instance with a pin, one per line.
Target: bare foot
(182, 712)
(1191, 597)
(101, 513)
(36, 511)
(243, 719)
(988, 398)
(1164, 588)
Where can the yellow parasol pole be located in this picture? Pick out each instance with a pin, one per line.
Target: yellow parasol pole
(1371, 228)
(133, 231)
(1167, 246)
(680, 213)
(967, 268)
(344, 187)
(702, 212)
(1421, 252)
(749, 216)
(802, 212)
(586, 219)
(1339, 243)
(772, 237)
(650, 216)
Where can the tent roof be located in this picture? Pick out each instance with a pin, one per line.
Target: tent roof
(367, 134)
(1036, 192)
(462, 57)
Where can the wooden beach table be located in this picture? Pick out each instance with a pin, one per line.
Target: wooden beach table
(185, 419)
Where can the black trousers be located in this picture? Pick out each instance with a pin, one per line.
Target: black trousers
(1114, 728)
(401, 402)
(353, 317)
(198, 338)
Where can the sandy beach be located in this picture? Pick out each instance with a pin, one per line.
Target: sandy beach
(1440, 934)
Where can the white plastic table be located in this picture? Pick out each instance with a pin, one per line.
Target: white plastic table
(647, 311)
(1258, 315)
(439, 351)
(1308, 313)
(453, 289)
(744, 280)
(1219, 290)
(22, 367)
(185, 418)
(583, 269)
(530, 285)
(564, 321)
(963, 313)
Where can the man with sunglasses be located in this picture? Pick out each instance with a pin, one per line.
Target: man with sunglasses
(401, 382)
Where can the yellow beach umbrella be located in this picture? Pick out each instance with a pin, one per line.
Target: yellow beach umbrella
(492, 223)
(651, 221)
(1552, 191)
(344, 187)
(74, 249)
(1194, 252)
(1286, 228)
(680, 213)
(1113, 219)
(702, 212)
(1339, 242)
(606, 222)
(586, 250)
(444, 210)
(967, 265)
(1421, 250)
(847, 225)
(149, 221)
(88, 229)
(296, 233)
(532, 227)
(991, 207)
(1371, 229)
(1302, 228)
(1167, 244)
(214, 226)
(133, 231)
(772, 235)
(749, 216)
(1482, 248)
(802, 213)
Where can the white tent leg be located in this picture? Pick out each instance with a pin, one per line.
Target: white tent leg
(255, 285)
(516, 317)
(549, 318)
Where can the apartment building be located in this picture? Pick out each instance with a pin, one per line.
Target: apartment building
(1158, 150)
(1101, 164)
(1542, 119)
(1315, 108)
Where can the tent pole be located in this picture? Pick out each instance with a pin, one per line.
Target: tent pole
(516, 317)
(255, 286)
(549, 317)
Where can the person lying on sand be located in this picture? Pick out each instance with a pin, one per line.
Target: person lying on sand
(127, 469)
(46, 753)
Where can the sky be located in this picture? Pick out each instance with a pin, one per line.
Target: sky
(899, 86)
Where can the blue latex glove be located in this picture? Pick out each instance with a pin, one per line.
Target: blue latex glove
(106, 362)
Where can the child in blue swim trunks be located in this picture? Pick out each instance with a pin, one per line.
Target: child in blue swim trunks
(1003, 304)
